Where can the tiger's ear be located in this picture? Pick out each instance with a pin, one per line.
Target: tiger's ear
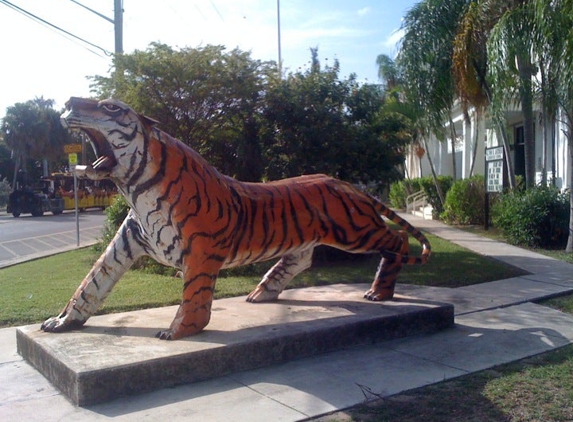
(150, 121)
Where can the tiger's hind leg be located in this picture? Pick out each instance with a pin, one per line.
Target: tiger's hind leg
(385, 281)
(276, 279)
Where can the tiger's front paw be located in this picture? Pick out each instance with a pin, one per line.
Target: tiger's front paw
(60, 323)
(262, 294)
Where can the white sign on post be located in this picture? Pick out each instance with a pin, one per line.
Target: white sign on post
(494, 169)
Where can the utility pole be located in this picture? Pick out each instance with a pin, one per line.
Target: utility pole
(118, 26)
(117, 22)
(279, 37)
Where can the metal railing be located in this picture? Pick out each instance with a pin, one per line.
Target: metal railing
(416, 201)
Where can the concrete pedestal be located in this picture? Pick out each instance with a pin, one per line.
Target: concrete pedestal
(116, 355)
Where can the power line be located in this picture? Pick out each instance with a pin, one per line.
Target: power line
(93, 11)
(37, 19)
(217, 10)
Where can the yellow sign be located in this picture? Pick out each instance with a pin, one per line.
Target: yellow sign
(73, 159)
(72, 148)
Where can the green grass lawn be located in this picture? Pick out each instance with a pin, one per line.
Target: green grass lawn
(535, 389)
(33, 291)
(538, 389)
(530, 390)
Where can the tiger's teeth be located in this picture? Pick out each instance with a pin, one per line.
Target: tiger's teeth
(101, 161)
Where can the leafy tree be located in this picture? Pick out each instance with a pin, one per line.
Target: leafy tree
(252, 125)
(382, 136)
(32, 130)
(304, 129)
(6, 163)
(25, 131)
(316, 123)
(205, 96)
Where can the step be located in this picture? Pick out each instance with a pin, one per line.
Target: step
(117, 354)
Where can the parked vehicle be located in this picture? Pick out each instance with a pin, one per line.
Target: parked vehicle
(25, 201)
(56, 193)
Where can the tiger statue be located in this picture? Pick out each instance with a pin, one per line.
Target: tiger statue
(186, 214)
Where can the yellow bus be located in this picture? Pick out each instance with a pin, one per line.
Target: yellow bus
(91, 193)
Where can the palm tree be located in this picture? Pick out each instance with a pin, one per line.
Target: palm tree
(511, 67)
(425, 56)
(396, 102)
(388, 72)
(32, 131)
(553, 46)
(24, 130)
(470, 69)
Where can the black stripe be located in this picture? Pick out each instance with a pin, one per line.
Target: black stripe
(157, 177)
(294, 217)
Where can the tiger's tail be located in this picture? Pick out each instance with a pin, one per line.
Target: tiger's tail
(417, 234)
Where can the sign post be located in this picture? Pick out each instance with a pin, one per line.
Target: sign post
(493, 176)
(73, 161)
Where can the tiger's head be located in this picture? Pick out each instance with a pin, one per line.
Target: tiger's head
(116, 132)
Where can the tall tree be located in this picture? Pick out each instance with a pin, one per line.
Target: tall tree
(303, 120)
(425, 56)
(511, 68)
(397, 102)
(207, 97)
(32, 130)
(25, 131)
(254, 126)
(470, 69)
(388, 72)
(553, 46)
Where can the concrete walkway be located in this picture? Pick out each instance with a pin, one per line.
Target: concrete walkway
(496, 323)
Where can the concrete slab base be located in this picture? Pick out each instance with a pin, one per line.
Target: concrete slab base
(117, 355)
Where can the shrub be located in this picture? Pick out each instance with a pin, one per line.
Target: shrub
(537, 217)
(398, 195)
(115, 213)
(429, 186)
(465, 201)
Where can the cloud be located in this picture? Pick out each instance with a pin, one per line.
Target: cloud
(364, 11)
(391, 42)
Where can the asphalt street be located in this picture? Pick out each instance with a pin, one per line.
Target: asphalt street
(27, 237)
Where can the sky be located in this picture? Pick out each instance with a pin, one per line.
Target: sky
(40, 61)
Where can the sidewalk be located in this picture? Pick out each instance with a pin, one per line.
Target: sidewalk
(496, 323)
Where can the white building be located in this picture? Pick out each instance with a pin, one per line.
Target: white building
(554, 156)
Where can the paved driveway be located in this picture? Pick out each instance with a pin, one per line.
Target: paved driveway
(28, 237)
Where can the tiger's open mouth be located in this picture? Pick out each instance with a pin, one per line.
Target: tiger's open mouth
(105, 159)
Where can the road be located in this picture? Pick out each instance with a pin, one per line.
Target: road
(28, 237)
